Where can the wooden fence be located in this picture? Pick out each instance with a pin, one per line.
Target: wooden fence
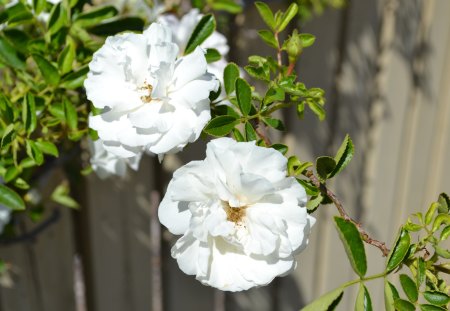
(385, 67)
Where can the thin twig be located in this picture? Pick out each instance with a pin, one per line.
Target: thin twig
(365, 236)
(155, 238)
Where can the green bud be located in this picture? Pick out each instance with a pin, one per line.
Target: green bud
(294, 46)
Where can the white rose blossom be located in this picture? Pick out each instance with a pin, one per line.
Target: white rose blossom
(106, 164)
(150, 100)
(241, 218)
(5, 217)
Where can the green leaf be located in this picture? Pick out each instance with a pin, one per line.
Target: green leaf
(287, 17)
(442, 252)
(409, 287)
(48, 71)
(47, 148)
(314, 202)
(266, 14)
(95, 16)
(117, 25)
(244, 96)
(426, 307)
(38, 6)
(18, 39)
(261, 73)
(353, 245)
(237, 135)
(430, 213)
(66, 58)
(343, 155)
(71, 115)
(444, 200)
(29, 113)
(275, 123)
(307, 39)
(309, 187)
(21, 184)
(59, 17)
(269, 38)
(8, 135)
(11, 199)
(9, 55)
(221, 125)
(34, 152)
(445, 233)
(403, 305)
(399, 251)
(421, 268)
(250, 133)
(363, 301)
(274, 94)
(15, 13)
(11, 173)
(390, 294)
(202, 31)
(61, 195)
(7, 111)
(300, 110)
(325, 302)
(281, 148)
(230, 74)
(75, 79)
(325, 166)
(226, 5)
(439, 220)
(317, 109)
(212, 55)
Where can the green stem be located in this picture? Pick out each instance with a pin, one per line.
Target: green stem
(369, 278)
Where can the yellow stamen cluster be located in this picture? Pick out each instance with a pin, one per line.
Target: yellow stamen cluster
(234, 214)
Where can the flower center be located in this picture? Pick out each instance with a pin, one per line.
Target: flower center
(234, 214)
(147, 90)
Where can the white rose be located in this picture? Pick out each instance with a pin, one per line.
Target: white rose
(105, 163)
(5, 216)
(241, 218)
(151, 101)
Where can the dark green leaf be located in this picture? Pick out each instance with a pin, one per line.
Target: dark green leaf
(314, 202)
(261, 73)
(205, 27)
(426, 307)
(29, 113)
(275, 123)
(307, 39)
(363, 301)
(18, 39)
(274, 94)
(390, 295)
(244, 96)
(399, 250)
(113, 27)
(15, 13)
(95, 16)
(8, 135)
(409, 287)
(71, 115)
(221, 125)
(9, 55)
(287, 17)
(237, 135)
(34, 152)
(325, 302)
(75, 79)
(403, 305)
(268, 37)
(343, 156)
(353, 245)
(325, 166)
(11, 199)
(266, 14)
(421, 268)
(230, 74)
(59, 17)
(309, 187)
(47, 148)
(250, 133)
(38, 6)
(48, 71)
(229, 6)
(66, 58)
(436, 298)
(6, 108)
(281, 148)
(212, 55)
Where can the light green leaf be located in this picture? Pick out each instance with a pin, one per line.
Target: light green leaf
(318, 109)
(48, 71)
(229, 6)
(66, 58)
(61, 195)
(202, 31)
(21, 184)
(95, 16)
(29, 113)
(409, 287)
(274, 94)
(444, 201)
(427, 307)
(363, 301)
(244, 96)
(221, 125)
(343, 156)
(38, 6)
(309, 188)
(439, 220)
(75, 79)
(442, 252)
(430, 213)
(403, 305)
(70, 114)
(307, 39)
(390, 294)
(237, 135)
(47, 148)
(230, 74)
(268, 37)
(11, 199)
(445, 233)
(325, 166)
(59, 17)
(399, 251)
(325, 302)
(287, 17)
(8, 135)
(212, 55)
(34, 152)
(11, 173)
(353, 245)
(275, 123)
(266, 14)
(250, 133)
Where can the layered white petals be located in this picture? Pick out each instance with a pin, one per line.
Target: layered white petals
(5, 216)
(241, 218)
(106, 164)
(151, 100)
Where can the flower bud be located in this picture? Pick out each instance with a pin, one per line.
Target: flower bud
(294, 46)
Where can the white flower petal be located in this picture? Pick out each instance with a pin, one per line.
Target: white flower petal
(189, 68)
